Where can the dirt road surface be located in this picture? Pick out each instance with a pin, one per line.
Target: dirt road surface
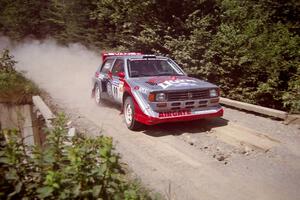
(238, 157)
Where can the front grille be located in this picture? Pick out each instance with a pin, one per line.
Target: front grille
(188, 95)
(176, 104)
(151, 83)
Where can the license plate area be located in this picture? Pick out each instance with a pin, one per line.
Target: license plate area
(170, 114)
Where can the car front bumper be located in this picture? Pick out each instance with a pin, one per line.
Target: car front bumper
(176, 116)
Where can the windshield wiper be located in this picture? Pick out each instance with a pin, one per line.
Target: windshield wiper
(145, 74)
(166, 74)
(141, 75)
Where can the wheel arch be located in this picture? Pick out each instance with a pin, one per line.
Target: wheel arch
(94, 88)
(134, 125)
(95, 84)
(125, 95)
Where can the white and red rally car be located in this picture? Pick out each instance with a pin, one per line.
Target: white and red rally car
(153, 89)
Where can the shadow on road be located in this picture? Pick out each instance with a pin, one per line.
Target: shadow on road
(178, 128)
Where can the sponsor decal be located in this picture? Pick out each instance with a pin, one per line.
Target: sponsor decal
(105, 55)
(174, 113)
(143, 90)
(178, 83)
(122, 54)
(121, 87)
(155, 81)
(109, 89)
(140, 89)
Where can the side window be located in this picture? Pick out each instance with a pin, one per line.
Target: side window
(118, 67)
(106, 66)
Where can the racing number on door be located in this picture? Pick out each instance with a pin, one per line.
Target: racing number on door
(115, 91)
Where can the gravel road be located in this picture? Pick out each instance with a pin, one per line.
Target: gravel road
(191, 158)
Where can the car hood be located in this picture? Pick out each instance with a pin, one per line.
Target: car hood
(158, 83)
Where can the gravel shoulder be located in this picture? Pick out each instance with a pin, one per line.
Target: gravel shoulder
(187, 157)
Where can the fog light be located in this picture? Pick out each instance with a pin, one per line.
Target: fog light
(160, 97)
(213, 93)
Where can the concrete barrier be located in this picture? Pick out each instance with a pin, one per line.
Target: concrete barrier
(49, 116)
(44, 109)
(254, 108)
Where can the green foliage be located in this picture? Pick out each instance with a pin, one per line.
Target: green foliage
(6, 62)
(86, 169)
(14, 87)
(291, 98)
(252, 58)
(19, 19)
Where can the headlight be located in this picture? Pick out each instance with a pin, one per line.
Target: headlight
(160, 97)
(213, 93)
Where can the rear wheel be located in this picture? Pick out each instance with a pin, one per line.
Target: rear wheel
(98, 94)
(129, 111)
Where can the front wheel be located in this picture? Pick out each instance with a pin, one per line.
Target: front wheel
(129, 111)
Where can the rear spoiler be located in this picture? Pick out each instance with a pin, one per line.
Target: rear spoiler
(105, 55)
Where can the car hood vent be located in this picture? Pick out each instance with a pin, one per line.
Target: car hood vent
(151, 83)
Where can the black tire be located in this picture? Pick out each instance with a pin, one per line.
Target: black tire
(98, 95)
(131, 123)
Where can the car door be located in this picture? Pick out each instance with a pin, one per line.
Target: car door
(117, 83)
(103, 77)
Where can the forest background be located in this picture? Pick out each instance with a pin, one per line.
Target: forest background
(250, 48)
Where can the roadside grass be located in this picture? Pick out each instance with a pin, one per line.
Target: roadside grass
(14, 87)
(83, 132)
(64, 168)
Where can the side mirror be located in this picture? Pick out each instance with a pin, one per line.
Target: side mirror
(121, 75)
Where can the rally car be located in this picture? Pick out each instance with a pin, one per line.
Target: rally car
(153, 89)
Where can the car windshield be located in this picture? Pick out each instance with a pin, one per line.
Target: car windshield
(152, 67)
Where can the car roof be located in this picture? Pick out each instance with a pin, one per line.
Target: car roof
(138, 56)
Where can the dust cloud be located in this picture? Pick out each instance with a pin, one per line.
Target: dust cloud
(46, 62)
(48, 53)
(65, 72)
